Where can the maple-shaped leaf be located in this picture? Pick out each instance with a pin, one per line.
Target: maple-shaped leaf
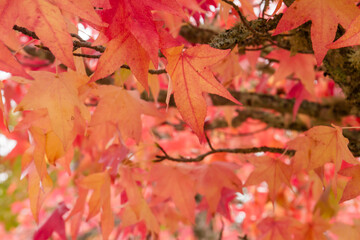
(190, 77)
(313, 229)
(212, 178)
(46, 20)
(55, 223)
(75, 216)
(124, 48)
(133, 36)
(330, 146)
(175, 182)
(100, 199)
(302, 65)
(81, 8)
(325, 16)
(228, 68)
(136, 209)
(352, 188)
(59, 95)
(273, 171)
(8, 63)
(302, 158)
(350, 38)
(112, 157)
(119, 109)
(37, 192)
(277, 228)
(48, 146)
(39, 156)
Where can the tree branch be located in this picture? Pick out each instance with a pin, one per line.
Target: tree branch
(325, 112)
(201, 157)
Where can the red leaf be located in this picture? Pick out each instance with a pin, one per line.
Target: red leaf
(325, 16)
(55, 223)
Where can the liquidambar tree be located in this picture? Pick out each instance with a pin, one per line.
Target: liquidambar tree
(180, 119)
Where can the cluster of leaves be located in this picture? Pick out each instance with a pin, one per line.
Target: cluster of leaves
(102, 143)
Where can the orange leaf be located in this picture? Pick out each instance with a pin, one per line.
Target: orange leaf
(82, 8)
(119, 109)
(190, 78)
(46, 20)
(100, 199)
(352, 188)
(273, 171)
(137, 208)
(275, 228)
(302, 65)
(302, 158)
(313, 229)
(124, 48)
(39, 156)
(330, 146)
(212, 178)
(59, 95)
(175, 182)
(8, 63)
(351, 36)
(37, 193)
(345, 231)
(325, 16)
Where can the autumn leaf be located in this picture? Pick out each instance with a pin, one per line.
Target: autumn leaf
(100, 199)
(55, 223)
(350, 38)
(37, 193)
(136, 209)
(39, 156)
(212, 178)
(345, 231)
(273, 171)
(330, 146)
(8, 63)
(119, 109)
(325, 16)
(175, 182)
(352, 189)
(299, 93)
(302, 65)
(277, 228)
(112, 157)
(59, 95)
(82, 8)
(124, 48)
(320, 145)
(133, 37)
(313, 229)
(190, 78)
(303, 158)
(46, 20)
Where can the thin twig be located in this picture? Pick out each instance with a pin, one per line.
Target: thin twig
(86, 55)
(209, 143)
(77, 36)
(201, 157)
